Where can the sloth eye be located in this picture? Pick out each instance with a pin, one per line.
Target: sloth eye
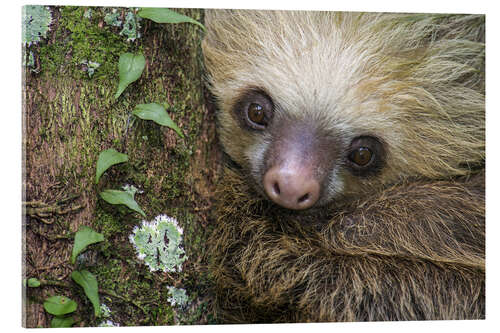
(254, 110)
(256, 114)
(366, 156)
(361, 156)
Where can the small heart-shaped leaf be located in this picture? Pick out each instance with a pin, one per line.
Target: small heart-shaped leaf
(59, 305)
(165, 15)
(33, 283)
(106, 159)
(156, 113)
(117, 197)
(84, 237)
(130, 67)
(59, 322)
(89, 284)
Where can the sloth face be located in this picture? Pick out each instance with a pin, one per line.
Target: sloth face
(299, 162)
(324, 107)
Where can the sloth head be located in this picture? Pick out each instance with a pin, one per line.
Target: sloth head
(320, 107)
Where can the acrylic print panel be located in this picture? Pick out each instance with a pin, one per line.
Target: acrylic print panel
(192, 167)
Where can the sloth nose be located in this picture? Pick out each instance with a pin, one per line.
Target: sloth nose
(291, 187)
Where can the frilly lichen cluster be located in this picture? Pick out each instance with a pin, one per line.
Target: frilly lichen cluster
(178, 296)
(106, 317)
(130, 27)
(36, 23)
(158, 244)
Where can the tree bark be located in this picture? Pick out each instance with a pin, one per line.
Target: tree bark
(69, 118)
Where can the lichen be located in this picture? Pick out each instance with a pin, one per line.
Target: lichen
(158, 244)
(88, 14)
(108, 323)
(131, 189)
(35, 23)
(112, 18)
(30, 61)
(131, 27)
(178, 296)
(90, 66)
(105, 311)
(106, 315)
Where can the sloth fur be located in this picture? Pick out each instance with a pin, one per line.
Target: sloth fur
(404, 243)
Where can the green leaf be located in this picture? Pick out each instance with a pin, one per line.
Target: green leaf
(89, 284)
(59, 305)
(33, 283)
(156, 113)
(130, 67)
(106, 159)
(59, 322)
(84, 237)
(116, 197)
(165, 15)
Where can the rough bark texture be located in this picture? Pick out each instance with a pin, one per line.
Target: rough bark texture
(69, 119)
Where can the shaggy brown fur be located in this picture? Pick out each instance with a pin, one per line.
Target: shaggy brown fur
(413, 252)
(406, 243)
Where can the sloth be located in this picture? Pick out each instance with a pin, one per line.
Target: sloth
(354, 183)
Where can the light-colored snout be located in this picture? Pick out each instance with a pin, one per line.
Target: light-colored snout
(291, 185)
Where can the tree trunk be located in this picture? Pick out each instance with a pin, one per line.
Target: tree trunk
(70, 116)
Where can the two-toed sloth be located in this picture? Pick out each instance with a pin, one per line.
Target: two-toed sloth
(357, 188)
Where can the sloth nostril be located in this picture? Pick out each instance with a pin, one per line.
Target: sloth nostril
(276, 188)
(303, 198)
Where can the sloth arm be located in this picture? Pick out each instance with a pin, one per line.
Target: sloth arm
(441, 221)
(413, 251)
(416, 251)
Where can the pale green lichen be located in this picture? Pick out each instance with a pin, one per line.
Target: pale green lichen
(131, 189)
(35, 23)
(90, 66)
(178, 296)
(88, 14)
(106, 313)
(158, 244)
(131, 26)
(109, 323)
(31, 60)
(112, 18)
